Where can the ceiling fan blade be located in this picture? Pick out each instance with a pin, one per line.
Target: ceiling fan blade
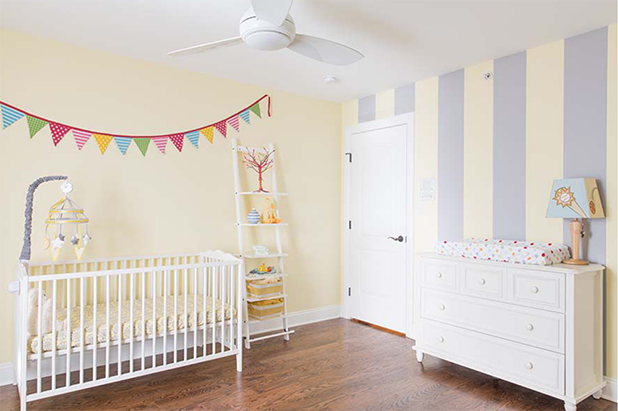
(273, 11)
(324, 50)
(203, 47)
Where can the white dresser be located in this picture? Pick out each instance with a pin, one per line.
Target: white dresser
(537, 326)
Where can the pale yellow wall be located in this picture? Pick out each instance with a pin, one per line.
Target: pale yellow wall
(478, 151)
(178, 202)
(544, 136)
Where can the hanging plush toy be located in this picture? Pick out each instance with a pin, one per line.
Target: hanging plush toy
(269, 215)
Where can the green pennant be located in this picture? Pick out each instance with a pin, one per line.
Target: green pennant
(35, 125)
(256, 109)
(142, 143)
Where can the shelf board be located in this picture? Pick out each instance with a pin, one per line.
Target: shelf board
(263, 276)
(251, 193)
(253, 319)
(254, 256)
(272, 297)
(262, 225)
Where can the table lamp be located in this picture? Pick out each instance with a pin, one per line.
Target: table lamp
(575, 198)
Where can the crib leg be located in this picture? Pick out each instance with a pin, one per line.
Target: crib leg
(239, 362)
(22, 403)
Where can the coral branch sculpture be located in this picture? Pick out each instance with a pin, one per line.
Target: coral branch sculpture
(259, 162)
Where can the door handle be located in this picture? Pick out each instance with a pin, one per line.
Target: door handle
(400, 238)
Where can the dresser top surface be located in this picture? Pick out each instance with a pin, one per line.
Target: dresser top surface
(562, 268)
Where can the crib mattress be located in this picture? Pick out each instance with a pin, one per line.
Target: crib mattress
(509, 251)
(164, 323)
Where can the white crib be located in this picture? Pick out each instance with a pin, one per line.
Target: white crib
(120, 318)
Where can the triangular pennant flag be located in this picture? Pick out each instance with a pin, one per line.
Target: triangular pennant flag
(81, 137)
(35, 125)
(142, 143)
(233, 121)
(220, 126)
(55, 252)
(245, 116)
(79, 251)
(208, 133)
(177, 139)
(160, 142)
(103, 141)
(123, 144)
(9, 115)
(256, 109)
(58, 131)
(194, 137)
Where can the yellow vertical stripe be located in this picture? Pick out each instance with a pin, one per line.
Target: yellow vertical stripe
(611, 205)
(425, 163)
(478, 151)
(349, 113)
(544, 137)
(385, 104)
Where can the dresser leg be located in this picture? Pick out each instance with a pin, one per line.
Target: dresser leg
(569, 406)
(419, 356)
(597, 395)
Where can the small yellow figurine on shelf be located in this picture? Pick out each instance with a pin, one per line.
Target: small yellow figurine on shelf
(269, 215)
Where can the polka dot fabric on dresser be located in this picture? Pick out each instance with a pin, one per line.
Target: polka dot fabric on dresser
(508, 251)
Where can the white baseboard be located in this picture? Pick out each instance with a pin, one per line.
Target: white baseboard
(610, 392)
(295, 319)
(298, 318)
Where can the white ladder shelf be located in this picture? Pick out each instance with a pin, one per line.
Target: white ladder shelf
(279, 255)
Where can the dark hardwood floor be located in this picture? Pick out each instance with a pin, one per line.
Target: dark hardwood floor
(332, 365)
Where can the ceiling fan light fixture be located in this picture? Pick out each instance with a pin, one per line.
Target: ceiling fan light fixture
(264, 35)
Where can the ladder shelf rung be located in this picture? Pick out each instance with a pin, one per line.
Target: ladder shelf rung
(252, 193)
(253, 277)
(258, 256)
(272, 297)
(262, 225)
(271, 336)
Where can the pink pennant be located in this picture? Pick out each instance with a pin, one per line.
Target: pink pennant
(81, 138)
(233, 121)
(160, 142)
(58, 131)
(177, 139)
(220, 126)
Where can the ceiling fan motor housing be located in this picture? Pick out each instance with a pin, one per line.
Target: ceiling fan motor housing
(263, 35)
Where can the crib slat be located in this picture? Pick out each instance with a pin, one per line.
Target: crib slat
(82, 334)
(175, 315)
(95, 331)
(54, 336)
(131, 301)
(186, 313)
(195, 319)
(143, 296)
(107, 331)
(154, 318)
(69, 335)
(204, 314)
(214, 310)
(119, 336)
(165, 317)
(39, 330)
(223, 298)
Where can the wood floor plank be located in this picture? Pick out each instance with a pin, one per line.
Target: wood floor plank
(332, 365)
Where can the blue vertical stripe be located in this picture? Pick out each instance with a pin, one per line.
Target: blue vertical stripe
(509, 163)
(367, 109)
(585, 127)
(450, 155)
(404, 99)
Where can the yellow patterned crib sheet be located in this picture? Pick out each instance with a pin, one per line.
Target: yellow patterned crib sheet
(220, 311)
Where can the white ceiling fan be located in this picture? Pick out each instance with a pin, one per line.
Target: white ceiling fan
(268, 26)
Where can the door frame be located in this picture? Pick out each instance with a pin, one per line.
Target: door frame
(349, 131)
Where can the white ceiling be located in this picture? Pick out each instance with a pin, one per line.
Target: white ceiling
(403, 41)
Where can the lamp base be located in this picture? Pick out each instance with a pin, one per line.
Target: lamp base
(576, 262)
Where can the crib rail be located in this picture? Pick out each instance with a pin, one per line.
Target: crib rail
(84, 324)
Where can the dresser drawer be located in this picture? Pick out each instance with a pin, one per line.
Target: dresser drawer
(514, 362)
(534, 327)
(483, 281)
(536, 289)
(439, 274)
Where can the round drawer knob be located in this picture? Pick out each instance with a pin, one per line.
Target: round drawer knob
(529, 365)
(441, 307)
(534, 289)
(440, 339)
(530, 327)
(482, 281)
(439, 275)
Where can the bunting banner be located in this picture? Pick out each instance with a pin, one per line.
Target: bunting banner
(12, 114)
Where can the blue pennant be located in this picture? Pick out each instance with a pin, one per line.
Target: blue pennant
(245, 116)
(194, 137)
(123, 143)
(9, 115)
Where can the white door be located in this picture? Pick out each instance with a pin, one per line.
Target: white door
(377, 208)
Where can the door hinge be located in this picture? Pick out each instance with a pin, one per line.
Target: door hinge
(349, 291)
(349, 158)
(350, 225)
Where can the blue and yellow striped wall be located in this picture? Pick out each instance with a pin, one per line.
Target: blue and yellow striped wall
(495, 146)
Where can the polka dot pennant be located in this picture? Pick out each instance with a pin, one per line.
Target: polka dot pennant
(245, 116)
(233, 121)
(193, 137)
(208, 133)
(102, 141)
(177, 140)
(160, 142)
(142, 144)
(58, 131)
(123, 144)
(221, 128)
(35, 125)
(81, 138)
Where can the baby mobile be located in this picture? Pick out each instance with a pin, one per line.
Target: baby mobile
(64, 218)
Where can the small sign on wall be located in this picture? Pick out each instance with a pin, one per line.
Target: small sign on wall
(428, 189)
